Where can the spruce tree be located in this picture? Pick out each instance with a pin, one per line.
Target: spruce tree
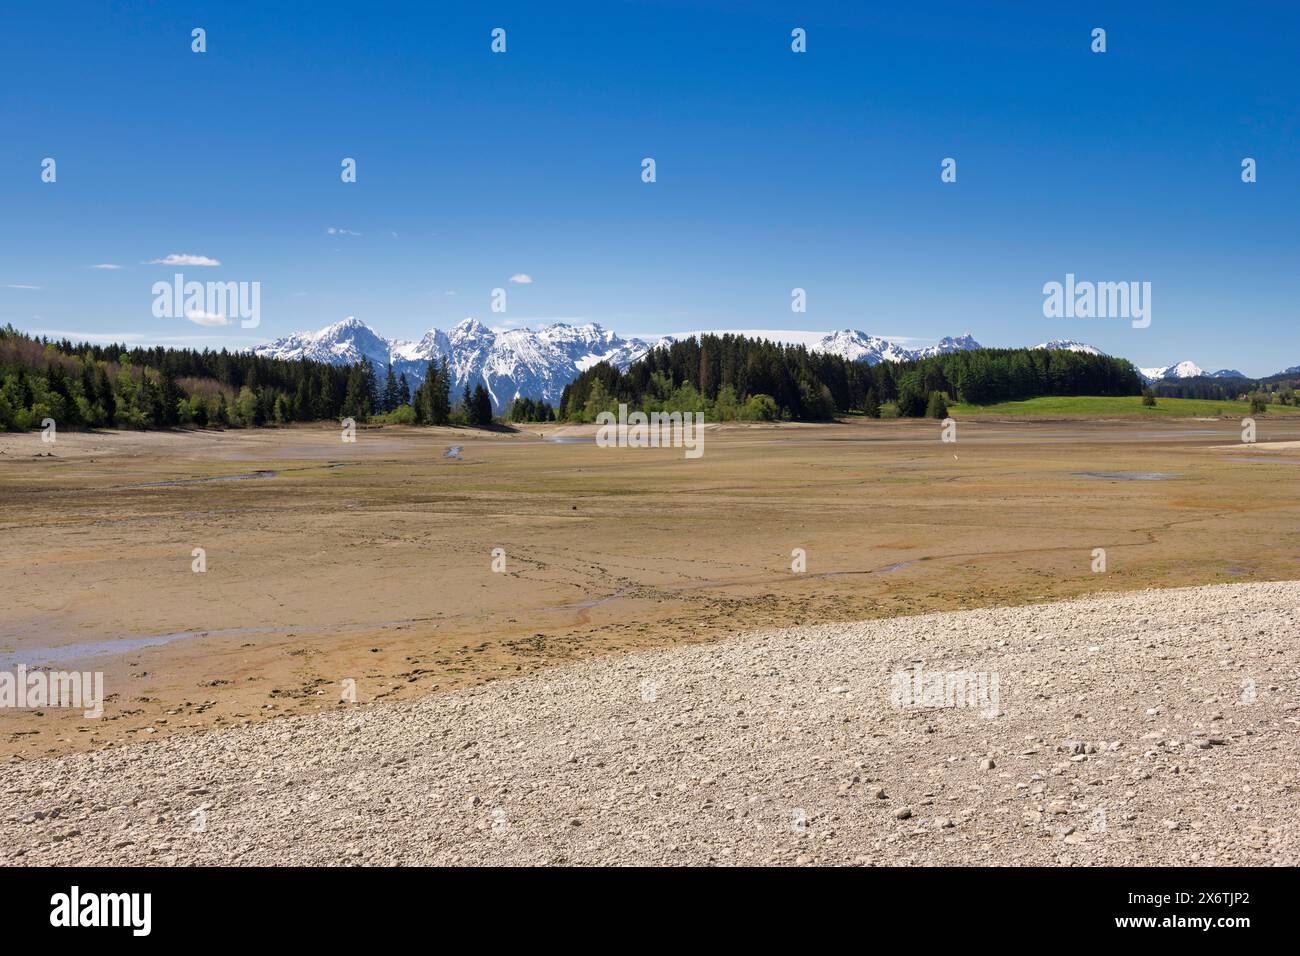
(390, 391)
(106, 397)
(466, 403)
(374, 396)
(480, 414)
(355, 403)
(440, 397)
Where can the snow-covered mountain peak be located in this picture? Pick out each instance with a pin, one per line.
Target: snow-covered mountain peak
(1185, 369)
(1070, 345)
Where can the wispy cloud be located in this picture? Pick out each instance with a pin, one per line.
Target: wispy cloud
(21, 286)
(207, 319)
(522, 278)
(106, 265)
(184, 259)
(337, 231)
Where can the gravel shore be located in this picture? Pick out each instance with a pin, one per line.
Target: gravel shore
(1153, 727)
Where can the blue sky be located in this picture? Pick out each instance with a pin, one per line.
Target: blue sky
(775, 170)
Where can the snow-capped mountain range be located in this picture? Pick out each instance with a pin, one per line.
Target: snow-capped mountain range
(858, 346)
(538, 363)
(1185, 370)
(517, 362)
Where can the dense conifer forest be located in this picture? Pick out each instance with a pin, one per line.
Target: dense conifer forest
(105, 386)
(730, 377)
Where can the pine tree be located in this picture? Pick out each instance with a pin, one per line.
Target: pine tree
(390, 391)
(170, 394)
(88, 390)
(356, 402)
(106, 397)
(403, 390)
(480, 414)
(440, 396)
(374, 396)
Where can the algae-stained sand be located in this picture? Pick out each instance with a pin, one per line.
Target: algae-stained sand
(373, 561)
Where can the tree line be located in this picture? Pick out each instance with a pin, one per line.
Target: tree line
(105, 386)
(733, 377)
(727, 377)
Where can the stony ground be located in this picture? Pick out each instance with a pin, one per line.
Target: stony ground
(1154, 727)
(608, 551)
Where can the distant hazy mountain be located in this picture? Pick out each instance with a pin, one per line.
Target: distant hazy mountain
(536, 364)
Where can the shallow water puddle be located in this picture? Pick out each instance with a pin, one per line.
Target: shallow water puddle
(99, 648)
(1127, 475)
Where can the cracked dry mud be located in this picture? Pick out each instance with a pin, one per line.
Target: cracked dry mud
(1152, 727)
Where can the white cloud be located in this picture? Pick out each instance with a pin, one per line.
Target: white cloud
(522, 278)
(106, 265)
(336, 231)
(182, 259)
(207, 319)
(21, 286)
